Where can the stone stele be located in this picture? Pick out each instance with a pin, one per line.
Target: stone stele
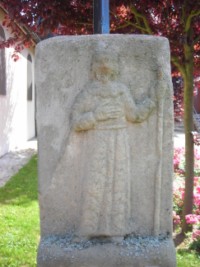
(105, 125)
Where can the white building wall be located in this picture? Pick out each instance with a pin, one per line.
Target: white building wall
(17, 115)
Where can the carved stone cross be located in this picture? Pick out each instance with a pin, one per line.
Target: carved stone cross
(101, 16)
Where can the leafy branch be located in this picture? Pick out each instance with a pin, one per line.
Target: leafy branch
(141, 19)
(175, 60)
(193, 14)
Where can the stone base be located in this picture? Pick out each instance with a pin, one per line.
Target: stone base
(132, 252)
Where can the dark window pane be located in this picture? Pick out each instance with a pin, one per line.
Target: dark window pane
(29, 79)
(2, 65)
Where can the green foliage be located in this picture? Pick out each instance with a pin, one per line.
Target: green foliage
(187, 258)
(19, 218)
(19, 222)
(195, 245)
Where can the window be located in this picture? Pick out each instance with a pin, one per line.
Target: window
(2, 65)
(29, 79)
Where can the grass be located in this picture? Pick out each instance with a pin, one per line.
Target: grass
(19, 218)
(187, 258)
(19, 222)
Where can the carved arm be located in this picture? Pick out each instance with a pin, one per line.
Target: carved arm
(139, 112)
(82, 116)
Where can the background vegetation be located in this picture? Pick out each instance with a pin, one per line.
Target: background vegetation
(19, 218)
(19, 223)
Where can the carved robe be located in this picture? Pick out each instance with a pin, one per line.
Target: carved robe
(105, 157)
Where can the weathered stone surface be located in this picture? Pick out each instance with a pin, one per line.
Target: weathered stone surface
(133, 252)
(104, 111)
(101, 114)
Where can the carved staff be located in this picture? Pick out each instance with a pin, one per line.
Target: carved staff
(161, 87)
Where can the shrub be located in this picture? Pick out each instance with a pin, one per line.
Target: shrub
(178, 196)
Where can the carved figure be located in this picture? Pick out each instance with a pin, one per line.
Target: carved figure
(101, 114)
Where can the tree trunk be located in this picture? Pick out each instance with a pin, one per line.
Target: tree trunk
(189, 145)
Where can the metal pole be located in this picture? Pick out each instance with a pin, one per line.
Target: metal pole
(101, 19)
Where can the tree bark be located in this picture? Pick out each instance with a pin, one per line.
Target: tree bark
(189, 145)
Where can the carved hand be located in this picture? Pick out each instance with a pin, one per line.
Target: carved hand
(106, 112)
(150, 103)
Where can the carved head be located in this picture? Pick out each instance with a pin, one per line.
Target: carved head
(104, 66)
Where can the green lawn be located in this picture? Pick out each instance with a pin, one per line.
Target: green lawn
(187, 258)
(19, 218)
(19, 222)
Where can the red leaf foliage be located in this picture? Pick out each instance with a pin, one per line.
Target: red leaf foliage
(169, 18)
(63, 17)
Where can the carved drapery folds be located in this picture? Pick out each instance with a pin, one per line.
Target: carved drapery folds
(103, 109)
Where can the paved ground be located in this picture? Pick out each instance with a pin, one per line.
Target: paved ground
(13, 161)
(179, 139)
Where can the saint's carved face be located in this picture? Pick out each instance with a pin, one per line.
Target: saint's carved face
(104, 67)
